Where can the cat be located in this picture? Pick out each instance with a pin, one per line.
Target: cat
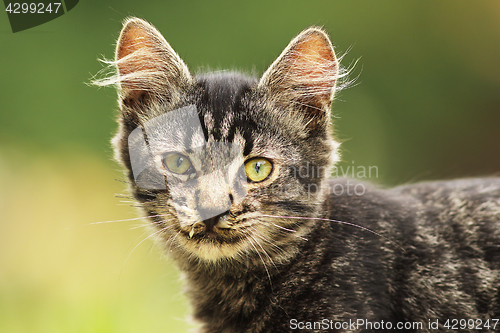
(232, 172)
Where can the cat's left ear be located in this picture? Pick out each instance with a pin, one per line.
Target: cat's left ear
(304, 76)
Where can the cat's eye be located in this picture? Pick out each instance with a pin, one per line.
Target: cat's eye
(258, 169)
(177, 163)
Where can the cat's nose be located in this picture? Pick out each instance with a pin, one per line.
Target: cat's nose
(207, 213)
(213, 202)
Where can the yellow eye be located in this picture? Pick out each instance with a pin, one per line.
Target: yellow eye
(258, 169)
(177, 163)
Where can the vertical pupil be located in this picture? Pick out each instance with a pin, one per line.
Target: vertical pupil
(179, 161)
(257, 166)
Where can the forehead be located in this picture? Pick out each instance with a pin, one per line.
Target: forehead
(226, 108)
(221, 107)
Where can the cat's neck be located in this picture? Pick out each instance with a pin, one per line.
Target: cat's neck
(225, 295)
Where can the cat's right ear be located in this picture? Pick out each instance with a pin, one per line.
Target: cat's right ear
(147, 65)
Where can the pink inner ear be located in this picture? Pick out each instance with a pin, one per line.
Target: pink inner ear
(303, 77)
(314, 66)
(135, 39)
(140, 61)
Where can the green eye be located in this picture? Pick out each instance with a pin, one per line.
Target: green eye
(258, 169)
(177, 163)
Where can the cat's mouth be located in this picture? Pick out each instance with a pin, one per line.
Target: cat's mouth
(214, 228)
(217, 237)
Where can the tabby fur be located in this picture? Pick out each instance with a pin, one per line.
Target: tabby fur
(294, 251)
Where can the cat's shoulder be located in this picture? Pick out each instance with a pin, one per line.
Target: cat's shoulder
(474, 189)
(475, 197)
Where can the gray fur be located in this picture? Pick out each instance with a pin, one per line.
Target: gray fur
(291, 247)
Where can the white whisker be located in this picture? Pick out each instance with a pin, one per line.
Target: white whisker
(149, 236)
(337, 221)
(132, 219)
(283, 228)
(265, 252)
(279, 249)
(261, 259)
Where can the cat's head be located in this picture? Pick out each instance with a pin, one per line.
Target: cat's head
(223, 163)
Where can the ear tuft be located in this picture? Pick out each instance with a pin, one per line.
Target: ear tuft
(147, 66)
(305, 75)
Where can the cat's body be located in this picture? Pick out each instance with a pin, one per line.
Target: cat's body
(240, 197)
(442, 262)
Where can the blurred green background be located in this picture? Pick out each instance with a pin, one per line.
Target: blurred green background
(426, 106)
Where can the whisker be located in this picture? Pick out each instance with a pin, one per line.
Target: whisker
(147, 237)
(132, 219)
(283, 228)
(266, 240)
(341, 222)
(139, 226)
(119, 195)
(263, 250)
(158, 234)
(261, 259)
(171, 239)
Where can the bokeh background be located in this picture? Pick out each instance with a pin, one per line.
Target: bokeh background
(426, 106)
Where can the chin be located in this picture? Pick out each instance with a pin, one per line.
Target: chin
(213, 247)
